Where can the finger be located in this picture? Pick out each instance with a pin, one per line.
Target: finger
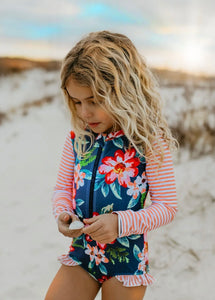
(90, 220)
(92, 228)
(65, 217)
(71, 233)
(97, 234)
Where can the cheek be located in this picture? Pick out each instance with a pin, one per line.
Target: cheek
(106, 117)
(78, 111)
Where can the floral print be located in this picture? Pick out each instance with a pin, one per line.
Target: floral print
(141, 265)
(96, 254)
(120, 183)
(103, 278)
(122, 166)
(137, 187)
(79, 176)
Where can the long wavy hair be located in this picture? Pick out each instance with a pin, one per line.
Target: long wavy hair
(123, 84)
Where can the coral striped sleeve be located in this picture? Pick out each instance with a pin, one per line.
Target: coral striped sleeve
(62, 196)
(162, 190)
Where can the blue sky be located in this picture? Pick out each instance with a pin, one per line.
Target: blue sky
(175, 34)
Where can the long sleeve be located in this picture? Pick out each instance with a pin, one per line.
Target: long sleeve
(62, 196)
(162, 190)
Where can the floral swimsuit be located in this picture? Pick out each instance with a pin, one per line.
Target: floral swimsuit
(111, 178)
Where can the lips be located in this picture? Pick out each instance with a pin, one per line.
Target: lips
(93, 124)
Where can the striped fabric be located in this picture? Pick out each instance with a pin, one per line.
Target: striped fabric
(62, 197)
(162, 190)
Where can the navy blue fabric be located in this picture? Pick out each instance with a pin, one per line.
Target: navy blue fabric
(96, 192)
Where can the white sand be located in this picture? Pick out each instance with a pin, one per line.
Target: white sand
(181, 253)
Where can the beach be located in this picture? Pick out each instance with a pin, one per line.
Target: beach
(181, 254)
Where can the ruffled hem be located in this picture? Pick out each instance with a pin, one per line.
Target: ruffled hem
(127, 280)
(66, 260)
(135, 280)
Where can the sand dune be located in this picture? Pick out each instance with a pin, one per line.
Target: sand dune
(181, 253)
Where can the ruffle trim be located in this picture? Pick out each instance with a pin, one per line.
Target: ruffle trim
(127, 280)
(135, 280)
(66, 260)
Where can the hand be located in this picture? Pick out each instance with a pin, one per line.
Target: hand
(64, 221)
(102, 228)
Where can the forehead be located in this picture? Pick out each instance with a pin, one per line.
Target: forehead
(78, 91)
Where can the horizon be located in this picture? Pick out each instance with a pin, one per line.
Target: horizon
(162, 69)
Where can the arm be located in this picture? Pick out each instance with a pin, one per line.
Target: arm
(162, 190)
(62, 196)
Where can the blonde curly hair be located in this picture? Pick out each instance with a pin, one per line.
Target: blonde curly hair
(122, 83)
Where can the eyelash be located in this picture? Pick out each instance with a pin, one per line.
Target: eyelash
(91, 102)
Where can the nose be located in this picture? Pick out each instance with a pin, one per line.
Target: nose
(86, 111)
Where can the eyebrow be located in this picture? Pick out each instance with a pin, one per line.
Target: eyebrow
(90, 97)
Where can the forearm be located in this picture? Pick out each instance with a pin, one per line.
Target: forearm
(138, 222)
(162, 189)
(62, 200)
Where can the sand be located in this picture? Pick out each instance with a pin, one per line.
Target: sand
(181, 253)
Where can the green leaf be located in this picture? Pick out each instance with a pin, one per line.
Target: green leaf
(103, 269)
(91, 264)
(99, 176)
(85, 243)
(105, 189)
(78, 246)
(88, 174)
(86, 161)
(134, 236)
(118, 143)
(123, 241)
(133, 202)
(142, 199)
(79, 212)
(80, 237)
(98, 185)
(111, 259)
(115, 188)
(136, 251)
(79, 202)
(138, 272)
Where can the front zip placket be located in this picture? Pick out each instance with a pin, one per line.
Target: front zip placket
(95, 167)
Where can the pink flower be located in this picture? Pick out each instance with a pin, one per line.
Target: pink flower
(141, 265)
(97, 254)
(90, 251)
(138, 186)
(122, 166)
(73, 198)
(79, 176)
(100, 257)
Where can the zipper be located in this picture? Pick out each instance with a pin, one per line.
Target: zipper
(92, 183)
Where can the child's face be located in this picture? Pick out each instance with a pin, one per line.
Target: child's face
(87, 110)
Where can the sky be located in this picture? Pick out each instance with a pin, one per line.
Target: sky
(173, 34)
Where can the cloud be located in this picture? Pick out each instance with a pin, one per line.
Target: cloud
(157, 28)
(48, 10)
(108, 13)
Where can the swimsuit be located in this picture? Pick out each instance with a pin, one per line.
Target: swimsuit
(113, 178)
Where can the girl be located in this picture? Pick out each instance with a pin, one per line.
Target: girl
(117, 153)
